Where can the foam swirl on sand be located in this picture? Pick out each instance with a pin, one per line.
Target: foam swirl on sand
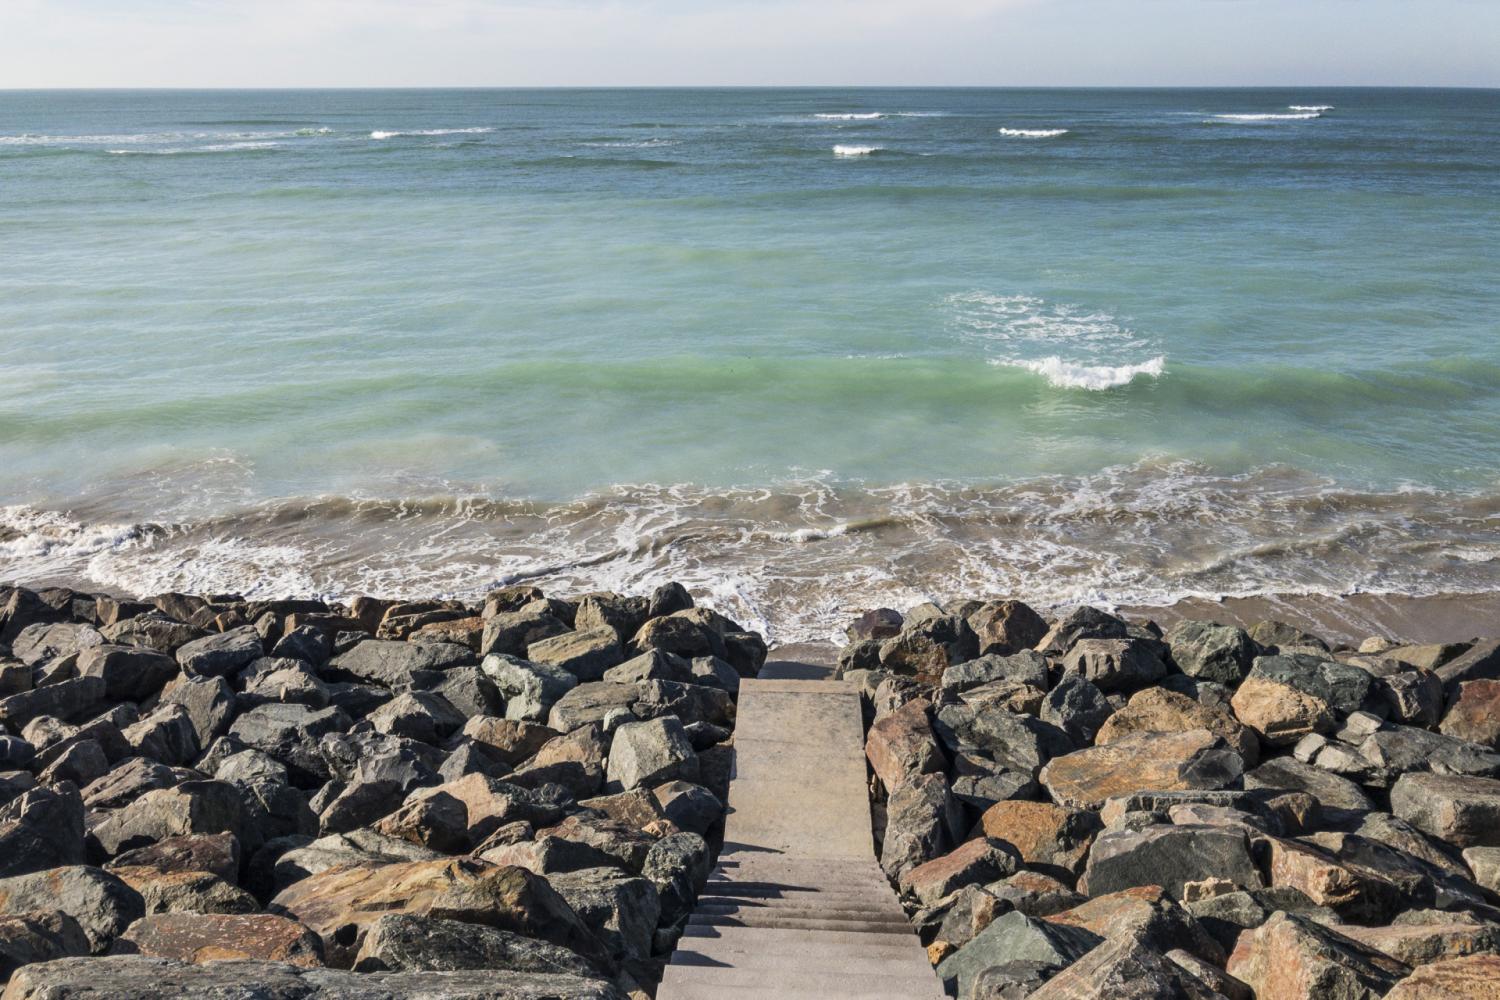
(1096, 378)
(1033, 133)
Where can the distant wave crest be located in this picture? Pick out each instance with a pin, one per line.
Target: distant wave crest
(1033, 133)
(479, 130)
(853, 151)
(1297, 117)
(1310, 107)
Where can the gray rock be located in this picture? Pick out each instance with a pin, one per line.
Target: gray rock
(409, 943)
(1077, 707)
(1481, 662)
(166, 734)
(1212, 652)
(128, 781)
(1345, 687)
(418, 715)
(690, 703)
(222, 654)
(1169, 856)
(678, 865)
(1127, 968)
(305, 642)
(190, 807)
(1115, 664)
(649, 753)
(1401, 749)
(1026, 667)
(1461, 811)
(510, 632)
(130, 673)
(290, 734)
(68, 700)
(593, 702)
(42, 936)
(394, 664)
(584, 654)
(622, 910)
(79, 762)
(690, 807)
(138, 977)
(1016, 742)
(152, 630)
(621, 615)
(1015, 937)
(654, 664)
(36, 644)
(209, 703)
(1082, 623)
(101, 903)
(1289, 774)
(529, 689)
(470, 691)
(40, 829)
(356, 847)
(923, 820)
(269, 680)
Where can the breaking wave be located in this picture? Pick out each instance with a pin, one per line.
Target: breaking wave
(1033, 133)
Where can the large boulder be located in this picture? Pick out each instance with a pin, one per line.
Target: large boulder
(1293, 958)
(66, 700)
(101, 903)
(1115, 664)
(1470, 978)
(41, 936)
(584, 654)
(395, 664)
(1170, 857)
(130, 673)
(1126, 968)
(1015, 937)
(220, 655)
(1157, 710)
(41, 829)
(1212, 652)
(923, 820)
(1006, 627)
(1474, 713)
(218, 853)
(971, 863)
(401, 942)
(39, 643)
(529, 689)
(196, 938)
(902, 745)
(1461, 811)
(185, 892)
(649, 753)
(621, 909)
(1149, 762)
(188, 808)
(1048, 838)
(290, 733)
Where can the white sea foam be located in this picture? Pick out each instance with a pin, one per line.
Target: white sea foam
(851, 151)
(1033, 133)
(1310, 107)
(1300, 116)
(1096, 378)
(852, 116)
(478, 130)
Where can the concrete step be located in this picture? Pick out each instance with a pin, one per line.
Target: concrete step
(887, 980)
(780, 939)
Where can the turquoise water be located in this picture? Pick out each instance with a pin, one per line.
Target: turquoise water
(804, 357)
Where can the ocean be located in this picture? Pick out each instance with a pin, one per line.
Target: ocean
(807, 351)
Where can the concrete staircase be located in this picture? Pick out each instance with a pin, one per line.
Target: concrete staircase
(797, 907)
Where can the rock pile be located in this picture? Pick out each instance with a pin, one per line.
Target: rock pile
(384, 799)
(1092, 808)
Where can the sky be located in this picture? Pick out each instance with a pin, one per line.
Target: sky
(398, 43)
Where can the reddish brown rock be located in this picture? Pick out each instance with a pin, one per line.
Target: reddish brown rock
(462, 631)
(902, 746)
(1047, 837)
(1006, 627)
(1157, 710)
(1422, 944)
(972, 863)
(509, 740)
(185, 892)
(1474, 713)
(1353, 891)
(1471, 978)
(1291, 958)
(201, 937)
(1149, 762)
(1280, 713)
(1147, 913)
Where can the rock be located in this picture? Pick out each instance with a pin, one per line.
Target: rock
(584, 654)
(678, 865)
(1008, 980)
(39, 643)
(291, 681)
(1047, 837)
(41, 936)
(1461, 811)
(185, 892)
(1169, 856)
(79, 762)
(152, 630)
(188, 808)
(40, 829)
(1413, 696)
(307, 643)
(1474, 713)
(1146, 914)
(1016, 742)
(492, 804)
(593, 702)
(418, 715)
(217, 853)
(1125, 968)
(290, 734)
(621, 615)
(922, 821)
(1395, 749)
(927, 647)
(1481, 662)
(1025, 668)
(15, 677)
(1082, 623)
(690, 703)
(622, 910)
(1355, 892)
(1331, 791)
(341, 903)
(689, 807)
(509, 632)
(166, 734)
(402, 942)
(651, 665)
(209, 703)
(1212, 652)
(222, 654)
(971, 863)
(101, 903)
(1006, 627)
(357, 847)
(1279, 712)
(138, 977)
(1471, 978)
(1484, 862)
(20, 608)
(1015, 937)
(509, 741)
(528, 689)
(1170, 762)
(1292, 957)
(1422, 944)
(1115, 664)
(394, 664)
(876, 624)
(649, 753)
(668, 599)
(902, 745)
(1160, 711)
(67, 700)
(129, 672)
(218, 937)
(1077, 707)
(126, 782)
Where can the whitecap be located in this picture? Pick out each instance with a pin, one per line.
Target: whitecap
(433, 131)
(851, 151)
(1298, 117)
(1310, 107)
(852, 116)
(1096, 378)
(1033, 133)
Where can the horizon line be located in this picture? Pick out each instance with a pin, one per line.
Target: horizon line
(755, 86)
